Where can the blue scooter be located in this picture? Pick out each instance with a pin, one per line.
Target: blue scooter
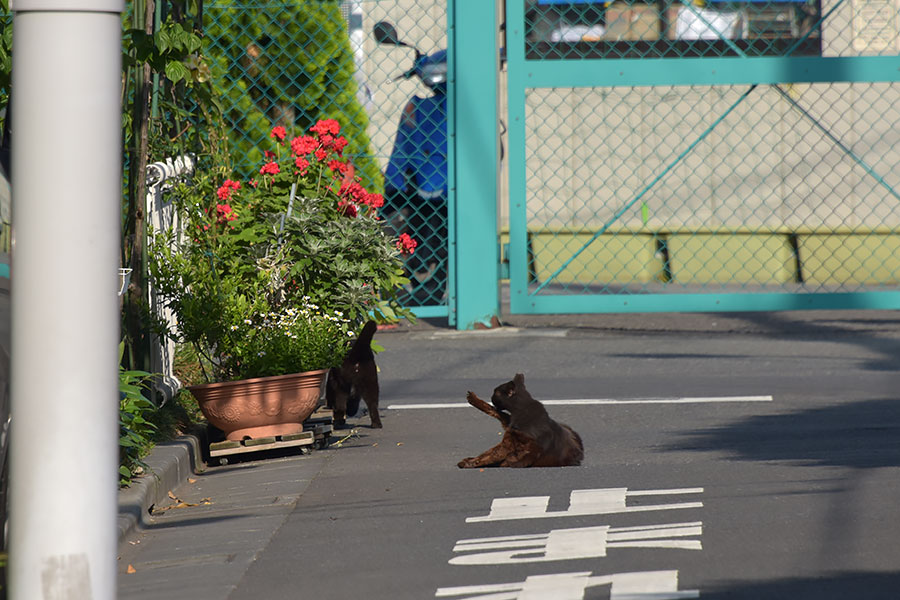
(416, 174)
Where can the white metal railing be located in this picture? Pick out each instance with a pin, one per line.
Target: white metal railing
(161, 214)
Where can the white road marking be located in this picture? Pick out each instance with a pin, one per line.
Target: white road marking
(645, 585)
(601, 401)
(496, 332)
(602, 501)
(577, 543)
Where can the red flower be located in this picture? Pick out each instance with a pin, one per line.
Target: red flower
(269, 155)
(375, 200)
(301, 146)
(321, 154)
(225, 213)
(347, 208)
(225, 190)
(354, 191)
(406, 245)
(278, 133)
(339, 144)
(302, 164)
(338, 167)
(326, 126)
(270, 168)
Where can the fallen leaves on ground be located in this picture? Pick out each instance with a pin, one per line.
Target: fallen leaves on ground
(179, 503)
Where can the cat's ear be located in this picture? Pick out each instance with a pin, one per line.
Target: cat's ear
(519, 380)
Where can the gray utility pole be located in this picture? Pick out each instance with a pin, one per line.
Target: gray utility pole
(66, 190)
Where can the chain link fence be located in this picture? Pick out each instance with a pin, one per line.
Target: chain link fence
(290, 63)
(723, 186)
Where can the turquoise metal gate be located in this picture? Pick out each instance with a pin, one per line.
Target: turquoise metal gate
(668, 156)
(386, 71)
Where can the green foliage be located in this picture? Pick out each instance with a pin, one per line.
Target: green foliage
(170, 109)
(188, 113)
(167, 50)
(135, 427)
(5, 51)
(268, 277)
(290, 65)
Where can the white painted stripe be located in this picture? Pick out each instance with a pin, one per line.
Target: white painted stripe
(665, 544)
(665, 492)
(602, 401)
(656, 528)
(504, 538)
(558, 544)
(578, 543)
(473, 545)
(602, 501)
(646, 585)
(622, 534)
(435, 405)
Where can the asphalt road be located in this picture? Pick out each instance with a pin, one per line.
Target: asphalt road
(746, 463)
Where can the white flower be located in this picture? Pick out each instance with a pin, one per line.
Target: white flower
(234, 328)
(247, 322)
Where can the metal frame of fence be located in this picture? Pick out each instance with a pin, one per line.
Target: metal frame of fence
(473, 28)
(743, 75)
(734, 68)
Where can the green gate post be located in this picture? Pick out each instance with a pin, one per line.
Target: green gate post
(473, 131)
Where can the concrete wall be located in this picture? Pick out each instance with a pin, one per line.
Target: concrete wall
(591, 151)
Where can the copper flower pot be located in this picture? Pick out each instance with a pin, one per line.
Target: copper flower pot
(261, 407)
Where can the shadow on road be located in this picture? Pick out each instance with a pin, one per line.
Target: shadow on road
(875, 331)
(842, 586)
(860, 435)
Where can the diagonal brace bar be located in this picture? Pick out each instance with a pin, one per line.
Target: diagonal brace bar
(837, 142)
(646, 188)
(680, 157)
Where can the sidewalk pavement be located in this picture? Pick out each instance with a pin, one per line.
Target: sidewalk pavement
(257, 496)
(159, 556)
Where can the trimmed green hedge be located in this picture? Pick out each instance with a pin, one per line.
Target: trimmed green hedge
(287, 64)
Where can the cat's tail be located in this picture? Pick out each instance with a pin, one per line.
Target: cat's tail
(362, 347)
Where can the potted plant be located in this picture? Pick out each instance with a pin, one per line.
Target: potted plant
(269, 278)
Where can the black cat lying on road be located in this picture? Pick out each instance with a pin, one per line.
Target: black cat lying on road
(530, 437)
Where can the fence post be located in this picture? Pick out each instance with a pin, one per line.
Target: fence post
(474, 161)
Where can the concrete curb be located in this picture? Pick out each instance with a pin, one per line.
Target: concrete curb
(169, 464)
